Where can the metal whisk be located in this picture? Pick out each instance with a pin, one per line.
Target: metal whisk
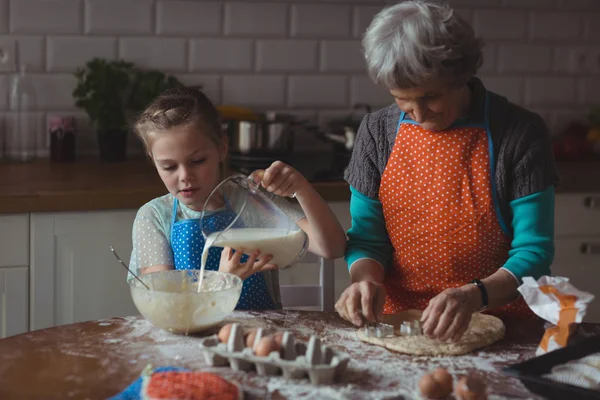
(127, 268)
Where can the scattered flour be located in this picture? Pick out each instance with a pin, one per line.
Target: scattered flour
(384, 375)
(373, 373)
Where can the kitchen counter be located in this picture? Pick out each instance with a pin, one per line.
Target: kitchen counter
(42, 186)
(98, 359)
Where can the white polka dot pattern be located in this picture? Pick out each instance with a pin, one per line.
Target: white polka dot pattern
(437, 203)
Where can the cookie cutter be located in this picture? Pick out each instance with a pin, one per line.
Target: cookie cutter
(381, 330)
(411, 328)
(378, 330)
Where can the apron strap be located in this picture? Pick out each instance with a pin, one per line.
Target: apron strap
(174, 217)
(402, 115)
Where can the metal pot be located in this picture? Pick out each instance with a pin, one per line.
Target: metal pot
(263, 137)
(342, 132)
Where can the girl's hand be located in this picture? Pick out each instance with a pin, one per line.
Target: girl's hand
(231, 263)
(281, 179)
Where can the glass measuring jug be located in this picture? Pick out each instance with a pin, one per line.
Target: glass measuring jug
(240, 214)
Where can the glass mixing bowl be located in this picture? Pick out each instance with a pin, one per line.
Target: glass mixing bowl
(174, 304)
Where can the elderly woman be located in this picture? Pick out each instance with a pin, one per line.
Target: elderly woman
(452, 186)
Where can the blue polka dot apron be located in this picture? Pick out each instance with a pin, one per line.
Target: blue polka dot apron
(187, 243)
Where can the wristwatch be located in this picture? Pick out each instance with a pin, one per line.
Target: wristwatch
(484, 294)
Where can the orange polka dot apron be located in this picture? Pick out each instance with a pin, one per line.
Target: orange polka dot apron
(438, 199)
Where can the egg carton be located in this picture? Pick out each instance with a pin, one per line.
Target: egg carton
(295, 360)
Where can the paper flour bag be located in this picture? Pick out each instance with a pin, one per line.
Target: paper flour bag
(555, 300)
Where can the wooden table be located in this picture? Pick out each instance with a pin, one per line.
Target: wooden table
(98, 359)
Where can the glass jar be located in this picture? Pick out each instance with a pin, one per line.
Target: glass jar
(23, 132)
(62, 138)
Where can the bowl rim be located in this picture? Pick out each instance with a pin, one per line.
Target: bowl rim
(134, 284)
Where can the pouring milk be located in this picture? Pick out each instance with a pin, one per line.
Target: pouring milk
(282, 244)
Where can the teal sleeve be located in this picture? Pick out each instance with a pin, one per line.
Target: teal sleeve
(532, 247)
(368, 237)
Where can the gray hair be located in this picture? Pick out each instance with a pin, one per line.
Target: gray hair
(414, 41)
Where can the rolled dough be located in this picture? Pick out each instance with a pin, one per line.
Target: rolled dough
(483, 330)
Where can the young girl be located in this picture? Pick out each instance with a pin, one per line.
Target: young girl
(181, 131)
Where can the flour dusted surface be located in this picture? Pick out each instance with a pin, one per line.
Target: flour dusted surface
(374, 372)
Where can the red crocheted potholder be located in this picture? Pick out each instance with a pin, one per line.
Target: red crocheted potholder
(190, 386)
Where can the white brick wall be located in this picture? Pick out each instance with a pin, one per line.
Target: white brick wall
(320, 91)
(362, 18)
(321, 20)
(4, 89)
(592, 28)
(259, 19)
(556, 25)
(342, 56)
(167, 54)
(4, 16)
(118, 16)
(31, 50)
(298, 56)
(551, 91)
(43, 16)
(254, 90)
(524, 58)
(221, 55)
(500, 24)
(66, 53)
(188, 18)
(286, 55)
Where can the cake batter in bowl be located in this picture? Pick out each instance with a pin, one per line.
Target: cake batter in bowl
(175, 304)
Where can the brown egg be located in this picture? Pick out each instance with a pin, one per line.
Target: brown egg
(224, 333)
(278, 337)
(250, 338)
(437, 385)
(444, 379)
(471, 387)
(265, 346)
(429, 387)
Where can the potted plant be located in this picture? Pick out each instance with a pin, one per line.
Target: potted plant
(111, 91)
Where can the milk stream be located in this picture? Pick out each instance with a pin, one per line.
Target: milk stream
(283, 245)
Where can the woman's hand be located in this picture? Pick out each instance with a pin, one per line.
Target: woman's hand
(448, 314)
(281, 179)
(361, 301)
(231, 263)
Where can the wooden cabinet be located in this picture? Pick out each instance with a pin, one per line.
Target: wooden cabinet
(14, 274)
(581, 264)
(74, 276)
(577, 214)
(14, 301)
(14, 240)
(577, 241)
